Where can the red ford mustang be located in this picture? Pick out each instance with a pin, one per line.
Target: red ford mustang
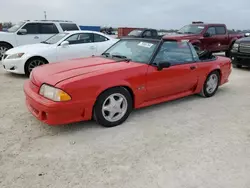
(131, 74)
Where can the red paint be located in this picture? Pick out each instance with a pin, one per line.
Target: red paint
(85, 79)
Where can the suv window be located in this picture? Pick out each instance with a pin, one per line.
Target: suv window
(211, 31)
(220, 30)
(154, 33)
(99, 38)
(48, 28)
(80, 38)
(69, 26)
(32, 28)
(175, 53)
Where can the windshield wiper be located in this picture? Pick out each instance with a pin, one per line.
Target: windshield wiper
(106, 54)
(121, 57)
(44, 42)
(189, 33)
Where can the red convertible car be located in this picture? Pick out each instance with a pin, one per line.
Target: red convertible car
(131, 74)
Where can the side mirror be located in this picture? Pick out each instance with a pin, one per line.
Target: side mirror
(206, 35)
(65, 43)
(247, 34)
(163, 65)
(22, 32)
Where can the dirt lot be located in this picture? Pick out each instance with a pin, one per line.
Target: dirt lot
(191, 143)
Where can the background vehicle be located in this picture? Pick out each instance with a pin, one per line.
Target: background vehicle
(240, 53)
(212, 37)
(60, 47)
(31, 32)
(144, 33)
(130, 74)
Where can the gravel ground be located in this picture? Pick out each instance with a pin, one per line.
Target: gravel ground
(192, 143)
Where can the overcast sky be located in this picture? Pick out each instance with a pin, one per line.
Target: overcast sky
(165, 14)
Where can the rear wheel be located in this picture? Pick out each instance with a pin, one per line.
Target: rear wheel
(32, 63)
(113, 107)
(3, 48)
(211, 84)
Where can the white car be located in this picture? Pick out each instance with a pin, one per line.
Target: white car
(31, 32)
(60, 47)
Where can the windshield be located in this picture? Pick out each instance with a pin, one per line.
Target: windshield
(55, 38)
(15, 27)
(134, 50)
(191, 29)
(135, 33)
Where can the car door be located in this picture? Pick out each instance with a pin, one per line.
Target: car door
(212, 41)
(32, 36)
(222, 37)
(47, 30)
(102, 43)
(180, 77)
(79, 46)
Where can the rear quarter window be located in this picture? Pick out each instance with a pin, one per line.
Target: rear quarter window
(69, 26)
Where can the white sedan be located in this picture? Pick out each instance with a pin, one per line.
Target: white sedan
(60, 47)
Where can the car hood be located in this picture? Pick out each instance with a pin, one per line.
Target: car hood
(55, 73)
(5, 35)
(244, 39)
(30, 48)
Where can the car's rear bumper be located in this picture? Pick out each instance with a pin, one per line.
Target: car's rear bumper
(240, 58)
(55, 113)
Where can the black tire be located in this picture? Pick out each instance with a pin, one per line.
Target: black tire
(204, 92)
(228, 52)
(38, 61)
(102, 100)
(237, 66)
(3, 48)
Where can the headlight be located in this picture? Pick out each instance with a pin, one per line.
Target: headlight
(16, 56)
(185, 40)
(53, 93)
(236, 45)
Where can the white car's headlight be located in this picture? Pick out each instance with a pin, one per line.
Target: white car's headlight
(53, 93)
(15, 56)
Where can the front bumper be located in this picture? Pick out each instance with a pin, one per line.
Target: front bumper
(239, 58)
(54, 113)
(14, 65)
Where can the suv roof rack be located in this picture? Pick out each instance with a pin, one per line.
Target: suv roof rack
(54, 20)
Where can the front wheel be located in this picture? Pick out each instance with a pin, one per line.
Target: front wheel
(113, 107)
(32, 63)
(211, 84)
(3, 48)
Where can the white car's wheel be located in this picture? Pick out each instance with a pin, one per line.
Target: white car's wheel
(3, 48)
(32, 63)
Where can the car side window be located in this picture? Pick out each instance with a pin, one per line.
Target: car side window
(32, 28)
(211, 31)
(80, 38)
(147, 34)
(220, 30)
(69, 26)
(175, 53)
(48, 28)
(100, 38)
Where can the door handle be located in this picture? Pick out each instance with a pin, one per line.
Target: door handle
(36, 37)
(192, 67)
